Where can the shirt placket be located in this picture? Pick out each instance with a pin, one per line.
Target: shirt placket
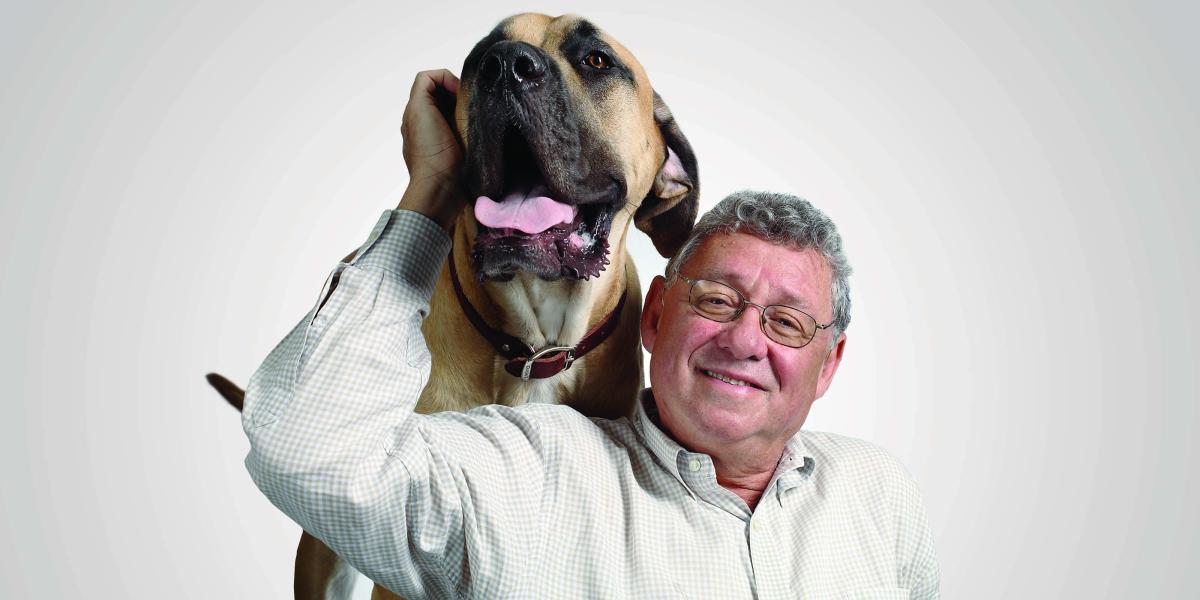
(768, 555)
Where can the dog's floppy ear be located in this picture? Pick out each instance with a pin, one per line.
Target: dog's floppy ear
(669, 210)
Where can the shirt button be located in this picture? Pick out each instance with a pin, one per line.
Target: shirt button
(694, 465)
(756, 525)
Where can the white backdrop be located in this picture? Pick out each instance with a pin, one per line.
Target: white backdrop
(1016, 186)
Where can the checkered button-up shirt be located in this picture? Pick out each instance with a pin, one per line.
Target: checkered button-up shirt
(539, 501)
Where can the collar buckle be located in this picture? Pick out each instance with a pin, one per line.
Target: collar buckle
(527, 369)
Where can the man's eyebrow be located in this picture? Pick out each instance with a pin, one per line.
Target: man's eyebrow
(739, 284)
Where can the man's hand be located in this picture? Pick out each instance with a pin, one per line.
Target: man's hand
(432, 151)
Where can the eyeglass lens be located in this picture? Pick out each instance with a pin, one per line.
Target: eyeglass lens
(719, 302)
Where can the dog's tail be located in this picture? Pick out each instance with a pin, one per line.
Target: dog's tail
(232, 394)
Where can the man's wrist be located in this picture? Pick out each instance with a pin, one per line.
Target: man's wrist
(438, 199)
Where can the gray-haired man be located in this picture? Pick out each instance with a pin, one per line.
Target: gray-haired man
(711, 490)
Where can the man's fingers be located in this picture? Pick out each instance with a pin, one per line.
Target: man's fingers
(428, 82)
(447, 80)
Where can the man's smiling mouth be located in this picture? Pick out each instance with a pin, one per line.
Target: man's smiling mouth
(727, 379)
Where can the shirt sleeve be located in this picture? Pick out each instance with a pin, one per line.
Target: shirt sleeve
(919, 570)
(331, 403)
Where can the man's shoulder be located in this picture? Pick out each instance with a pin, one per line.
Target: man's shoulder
(559, 414)
(550, 422)
(846, 460)
(561, 435)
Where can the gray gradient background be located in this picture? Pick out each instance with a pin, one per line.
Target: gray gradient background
(1017, 187)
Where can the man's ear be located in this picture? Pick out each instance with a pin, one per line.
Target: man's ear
(830, 366)
(668, 212)
(652, 311)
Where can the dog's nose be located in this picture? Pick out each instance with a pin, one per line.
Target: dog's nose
(518, 64)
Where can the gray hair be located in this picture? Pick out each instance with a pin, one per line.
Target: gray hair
(780, 219)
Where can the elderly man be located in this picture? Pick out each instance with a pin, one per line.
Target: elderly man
(711, 490)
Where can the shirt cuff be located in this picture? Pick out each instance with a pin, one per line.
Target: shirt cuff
(408, 245)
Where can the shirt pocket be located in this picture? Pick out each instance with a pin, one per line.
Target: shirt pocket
(878, 594)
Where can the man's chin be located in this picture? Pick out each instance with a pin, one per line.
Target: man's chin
(710, 421)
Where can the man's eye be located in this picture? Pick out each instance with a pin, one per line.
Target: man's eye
(597, 60)
(786, 322)
(716, 301)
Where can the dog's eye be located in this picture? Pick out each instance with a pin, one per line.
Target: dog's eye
(597, 60)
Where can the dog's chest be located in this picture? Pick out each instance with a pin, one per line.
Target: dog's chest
(544, 313)
(559, 389)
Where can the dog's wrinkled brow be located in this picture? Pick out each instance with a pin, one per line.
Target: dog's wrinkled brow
(585, 37)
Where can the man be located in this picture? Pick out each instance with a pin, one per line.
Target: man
(710, 490)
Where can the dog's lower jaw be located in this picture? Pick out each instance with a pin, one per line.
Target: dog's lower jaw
(504, 258)
(580, 251)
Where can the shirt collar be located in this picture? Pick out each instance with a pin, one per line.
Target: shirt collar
(665, 449)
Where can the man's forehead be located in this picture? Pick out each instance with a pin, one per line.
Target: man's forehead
(800, 277)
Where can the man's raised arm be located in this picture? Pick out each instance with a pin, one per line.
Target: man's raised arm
(326, 409)
(334, 442)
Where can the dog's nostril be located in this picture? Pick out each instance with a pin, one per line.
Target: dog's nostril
(490, 69)
(525, 68)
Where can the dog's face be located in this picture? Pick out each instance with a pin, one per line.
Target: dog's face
(566, 143)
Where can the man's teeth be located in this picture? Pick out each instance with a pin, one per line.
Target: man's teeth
(728, 380)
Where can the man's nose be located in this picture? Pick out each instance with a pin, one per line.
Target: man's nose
(518, 65)
(743, 338)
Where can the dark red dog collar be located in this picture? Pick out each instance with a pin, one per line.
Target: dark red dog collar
(523, 360)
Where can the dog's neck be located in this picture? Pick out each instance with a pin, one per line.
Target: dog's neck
(535, 310)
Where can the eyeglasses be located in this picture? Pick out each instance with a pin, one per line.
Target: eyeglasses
(718, 302)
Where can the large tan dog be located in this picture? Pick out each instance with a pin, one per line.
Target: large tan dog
(566, 144)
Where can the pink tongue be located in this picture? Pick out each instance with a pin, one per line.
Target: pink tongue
(527, 212)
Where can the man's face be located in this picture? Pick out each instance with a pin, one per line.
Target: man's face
(705, 413)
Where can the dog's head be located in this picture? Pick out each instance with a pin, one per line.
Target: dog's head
(566, 143)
